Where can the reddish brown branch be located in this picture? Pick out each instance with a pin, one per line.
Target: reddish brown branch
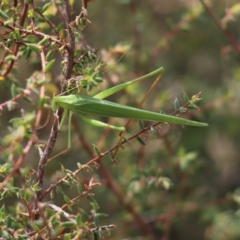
(225, 31)
(19, 96)
(18, 163)
(54, 131)
(16, 47)
(167, 38)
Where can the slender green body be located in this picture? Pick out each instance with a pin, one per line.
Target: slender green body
(84, 105)
(89, 105)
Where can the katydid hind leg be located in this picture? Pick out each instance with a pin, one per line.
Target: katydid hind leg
(139, 106)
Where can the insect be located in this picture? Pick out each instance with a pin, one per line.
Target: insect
(84, 105)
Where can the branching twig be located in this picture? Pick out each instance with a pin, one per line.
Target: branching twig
(18, 163)
(16, 48)
(25, 93)
(70, 48)
(225, 31)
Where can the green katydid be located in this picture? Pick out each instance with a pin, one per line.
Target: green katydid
(83, 105)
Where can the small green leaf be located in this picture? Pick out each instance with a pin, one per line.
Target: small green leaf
(52, 194)
(66, 199)
(93, 204)
(37, 224)
(69, 208)
(11, 58)
(13, 90)
(4, 15)
(185, 97)
(17, 34)
(60, 27)
(34, 47)
(79, 220)
(44, 40)
(96, 220)
(80, 189)
(141, 124)
(59, 190)
(63, 169)
(182, 110)
(165, 182)
(176, 104)
(4, 194)
(45, 7)
(27, 52)
(36, 187)
(141, 140)
(31, 13)
(7, 23)
(96, 150)
(196, 98)
(187, 159)
(28, 99)
(11, 36)
(11, 105)
(68, 224)
(50, 65)
(9, 222)
(41, 20)
(193, 106)
(79, 165)
(153, 131)
(49, 55)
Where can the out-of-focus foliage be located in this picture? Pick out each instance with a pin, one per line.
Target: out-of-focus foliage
(173, 183)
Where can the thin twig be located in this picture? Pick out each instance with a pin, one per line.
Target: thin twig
(54, 131)
(16, 48)
(18, 163)
(225, 31)
(25, 93)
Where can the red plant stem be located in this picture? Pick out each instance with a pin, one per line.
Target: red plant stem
(226, 32)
